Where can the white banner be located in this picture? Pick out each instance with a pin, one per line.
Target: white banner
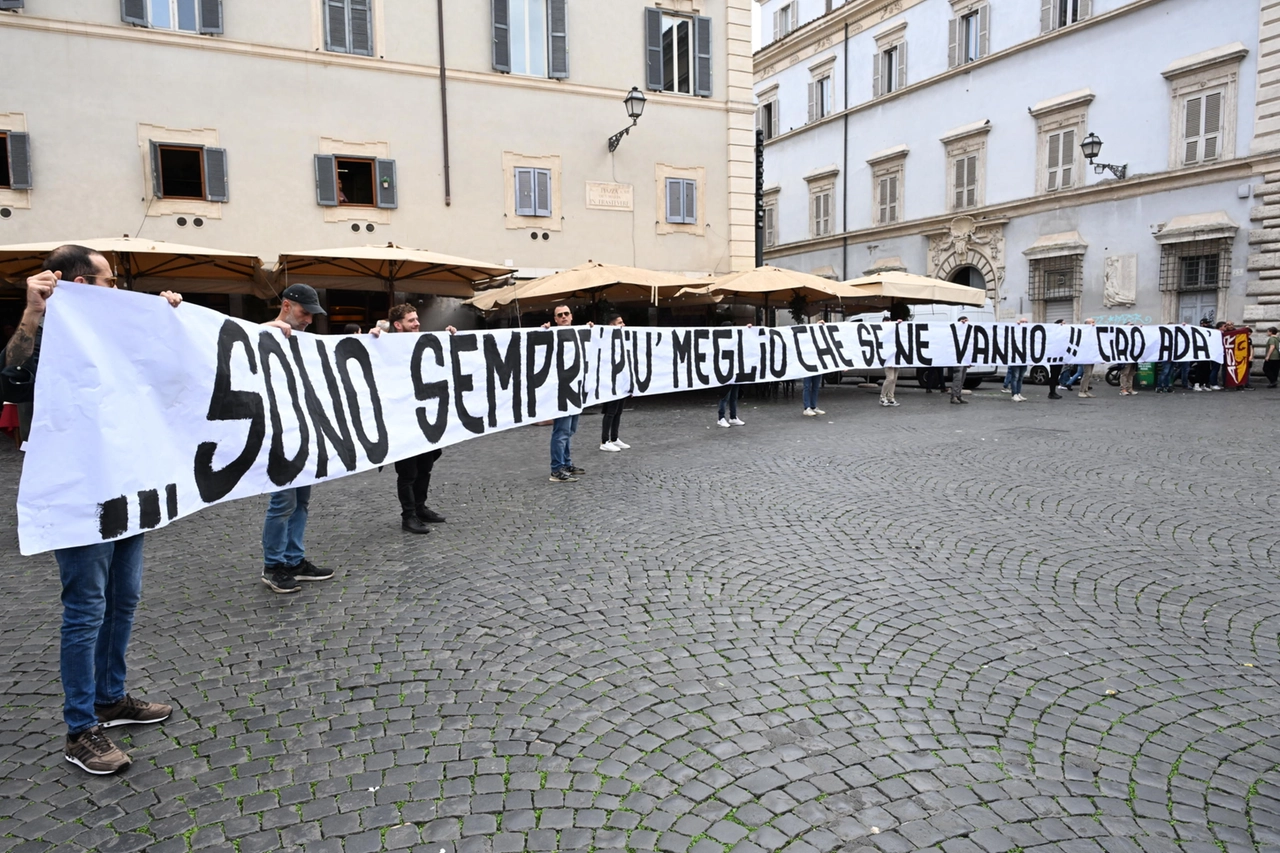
(145, 413)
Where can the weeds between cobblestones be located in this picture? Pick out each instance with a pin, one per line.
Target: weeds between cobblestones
(1042, 630)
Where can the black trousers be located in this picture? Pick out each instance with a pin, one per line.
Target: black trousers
(1055, 373)
(413, 478)
(1272, 370)
(612, 412)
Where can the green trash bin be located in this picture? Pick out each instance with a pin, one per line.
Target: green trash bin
(1146, 375)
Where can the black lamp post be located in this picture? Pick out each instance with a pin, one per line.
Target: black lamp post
(635, 108)
(1092, 147)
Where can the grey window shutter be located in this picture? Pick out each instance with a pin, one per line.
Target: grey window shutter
(361, 27)
(326, 180)
(1192, 134)
(215, 175)
(773, 119)
(675, 201)
(1085, 10)
(211, 16)
(690, 201)
(984, 30)
(1068, 157)
(134, 12)
(1055, 145)
(893, 198)
(19, 161)
(795, 16)
(1212, 124)
(883, 200)
(954, 30)
(971, 181)
(157, 188)
(777, 32)
(702, 52)
(335, 26)
(812, 100)
(1046, 15)
(501, 36)
(960, 169)
(653, 49)
(902, 66)
(542, 192)
(524, 192)
(558, 32)
(877, 59)
(11, 4)
(385, 174)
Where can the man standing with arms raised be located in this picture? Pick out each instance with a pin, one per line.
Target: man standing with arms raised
(284, 561)
(101, 583)
(413, 475)
(562, 429)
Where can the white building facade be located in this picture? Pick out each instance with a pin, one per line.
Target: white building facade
(944, 137)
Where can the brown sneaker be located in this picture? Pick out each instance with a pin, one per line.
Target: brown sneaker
(93, 752)
(129, 711)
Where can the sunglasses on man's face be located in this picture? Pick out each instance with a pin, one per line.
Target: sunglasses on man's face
(562, 314)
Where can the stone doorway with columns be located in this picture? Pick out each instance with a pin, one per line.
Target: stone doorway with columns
(970, 252)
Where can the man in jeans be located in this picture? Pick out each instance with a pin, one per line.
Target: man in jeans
(957, 375)
(284, 560)
(413, 475)
(562, 429)
(101, 583)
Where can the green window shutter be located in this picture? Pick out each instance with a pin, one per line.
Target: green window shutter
(215, 174)
(335, 26)
(157, 186)
(542, 192)
(326, 180)
(653, 49)
(385, 174)
(501, 36)
(558, 33)
(19, 161)
(702, 56)
(361, 27)
(134, 12)
(210, 16)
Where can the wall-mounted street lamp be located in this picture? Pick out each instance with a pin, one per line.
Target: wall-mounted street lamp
(635, 107)
(1092, 146)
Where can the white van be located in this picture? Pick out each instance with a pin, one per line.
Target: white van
(934, 313)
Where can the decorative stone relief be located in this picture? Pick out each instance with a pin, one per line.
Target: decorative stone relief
(1119, 280)
(967, 242)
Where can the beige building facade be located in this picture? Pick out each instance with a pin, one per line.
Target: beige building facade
(297, 124)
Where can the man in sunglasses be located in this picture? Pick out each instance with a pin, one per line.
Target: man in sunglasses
(562, 429)
(102, 583)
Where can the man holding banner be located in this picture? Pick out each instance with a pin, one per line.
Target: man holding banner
(562, 429)
(284, 560)
(413, 475)
(102, 582)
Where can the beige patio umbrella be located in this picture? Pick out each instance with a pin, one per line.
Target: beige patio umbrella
(392, 267)
(768, 285)
(884, 289)
(151, 265)
(591, 280)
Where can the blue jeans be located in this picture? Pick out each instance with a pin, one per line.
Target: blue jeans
(1164, 379)
(285, 526)
(1071, 374)
(1015, 374)
(1215, 367)
(562, 430)
(810, 391)
(101, 586)
(1184, 373)
(730, 399)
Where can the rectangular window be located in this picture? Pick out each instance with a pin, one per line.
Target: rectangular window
(767, 119)
(785, 20)
(181, 171)
(1203, 128)
(177, 15)
(184, 16)
(678, 53)
(349, 26)
(968, 39)
(965, 185)
(1198, 272)
(355, 181)
(820, 98)
(888, 70)
(1195, 266)
(1055, 14)
(1061, 160)
(6, 182)
(682, 201)
(533, 192)
(887, 187)
(1053, 287)
(1067, 12)
(970, 50)
(770, 225)
(820, 207)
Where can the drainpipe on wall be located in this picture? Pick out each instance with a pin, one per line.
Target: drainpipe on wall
(444, 104)
(844, 213)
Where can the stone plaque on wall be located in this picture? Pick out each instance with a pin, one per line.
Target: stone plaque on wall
(606, 196)
(1120, 280)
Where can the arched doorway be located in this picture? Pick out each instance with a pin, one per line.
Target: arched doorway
(969, 276)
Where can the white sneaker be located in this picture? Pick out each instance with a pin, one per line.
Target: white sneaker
(722, 423)
(819, 412)
(810, 413)
(893, 403)
(1018, 398)
(1216, 388)
(884, 402)
(610, 448)
(1006, 390)
(736, 422)
(620, 444)
(1197, 388)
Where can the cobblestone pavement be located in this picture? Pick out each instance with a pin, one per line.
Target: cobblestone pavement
(1039, 626)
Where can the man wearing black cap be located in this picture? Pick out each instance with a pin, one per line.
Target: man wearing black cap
(283, 554)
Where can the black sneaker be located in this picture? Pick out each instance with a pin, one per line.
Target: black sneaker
(305, 571)
(93, 752)
(426, 513)
(563, 476)
(413, 524)
(575, 470)
(129, 711)
(280, 579)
